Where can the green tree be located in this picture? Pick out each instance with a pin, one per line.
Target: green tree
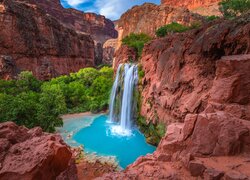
(136, 41)
(233, 8)
(26, 81)
(51, 106)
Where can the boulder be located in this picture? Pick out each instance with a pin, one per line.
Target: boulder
(196, 168)
(32, 154)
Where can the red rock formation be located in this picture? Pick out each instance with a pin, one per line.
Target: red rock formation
(39, 43)
(97, 26)
(123, 55)
(148, 17)
(201, 81)
(32, 154)
(204, 7)
(183, 73)
(191, 4)
(7, 67)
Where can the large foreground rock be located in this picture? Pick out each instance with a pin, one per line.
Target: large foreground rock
(32, 154)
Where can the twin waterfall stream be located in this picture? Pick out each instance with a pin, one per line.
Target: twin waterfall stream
(122, 102)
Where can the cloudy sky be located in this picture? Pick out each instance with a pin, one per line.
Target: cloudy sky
(112, 9)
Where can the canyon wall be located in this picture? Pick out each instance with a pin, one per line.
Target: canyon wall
(198, 84)
(180, 71)
(43, 37)
(97, 26)
(148, 17)
(191, 4)
(37, 42)
(203, 7)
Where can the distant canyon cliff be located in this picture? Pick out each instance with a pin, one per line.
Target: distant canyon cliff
(43, 37)
(204, 7)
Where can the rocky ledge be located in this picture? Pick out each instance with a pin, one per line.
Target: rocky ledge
(33, 154)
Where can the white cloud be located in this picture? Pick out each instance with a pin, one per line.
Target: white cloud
(112, 9)
(75, 3)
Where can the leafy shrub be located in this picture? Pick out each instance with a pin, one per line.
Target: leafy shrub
(212, 18)
(233, 8)
(136, 41)
(175, 27)
(153, 132)
(171, 28)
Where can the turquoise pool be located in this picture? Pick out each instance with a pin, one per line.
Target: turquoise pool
(96, 135)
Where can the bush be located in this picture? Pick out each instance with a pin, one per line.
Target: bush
(175, 27)
(212, 18)
(153, 132)
(27, 101)
(171, 28)
(136, 41)
(233, 8)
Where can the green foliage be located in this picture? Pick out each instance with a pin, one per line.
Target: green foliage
(30, 102)
(153, 132)
(212, 18)
(233, 8)
(171, 28)
(175, 27)
(136, 41)
(141, 72)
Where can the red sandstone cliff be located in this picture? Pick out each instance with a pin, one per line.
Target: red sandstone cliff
(204, 7)
(148, 17)
(198, 83)
(97, 26)
(191, 4)
(36, 41)
(43, 37)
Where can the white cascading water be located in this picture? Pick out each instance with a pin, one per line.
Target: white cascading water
(126, 81)
(112, 116)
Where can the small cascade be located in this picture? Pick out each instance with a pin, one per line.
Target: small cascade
(122, 98)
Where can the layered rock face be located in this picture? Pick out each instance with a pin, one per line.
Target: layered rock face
(37, 42)
(204, 7)
(191, 4)
(148, 17)
(43, 37)
(184, 73)
(198, 83)
(32, 154)
(97, 26)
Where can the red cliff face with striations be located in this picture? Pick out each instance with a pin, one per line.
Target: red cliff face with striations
(43, 37)
(32, 154)
(35, 41)
(198, 84)
(148, 17)
(181, 72)
(204, 7)
(97, 26)
(191, 4)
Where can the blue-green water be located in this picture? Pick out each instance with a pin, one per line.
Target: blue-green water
(99, 138)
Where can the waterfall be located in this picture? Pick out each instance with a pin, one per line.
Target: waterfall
(114, 91)
(122, 98)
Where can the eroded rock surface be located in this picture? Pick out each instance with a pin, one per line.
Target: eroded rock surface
(203, 7)
(33, 154)
(148, 17)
